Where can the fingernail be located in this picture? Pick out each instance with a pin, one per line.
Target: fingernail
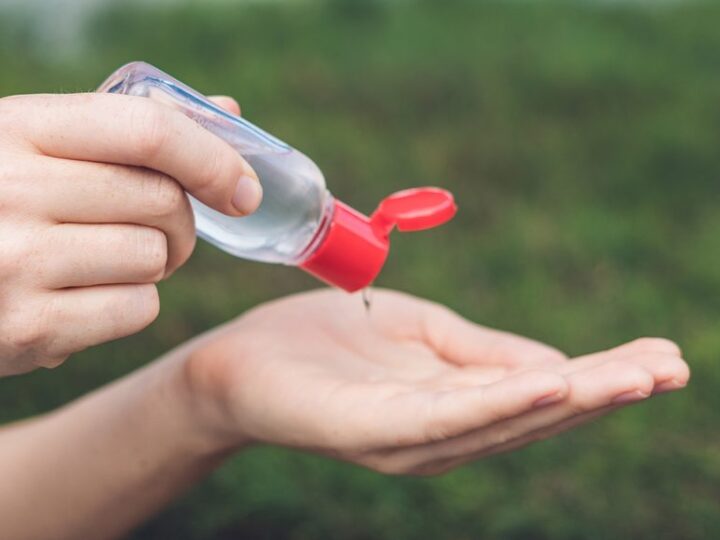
(629, 397)
(248, 194)
(668, 386)
(548, 400)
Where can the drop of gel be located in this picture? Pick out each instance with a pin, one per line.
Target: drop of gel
(367, 298)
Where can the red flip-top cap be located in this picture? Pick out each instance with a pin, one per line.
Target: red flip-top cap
(356, 246)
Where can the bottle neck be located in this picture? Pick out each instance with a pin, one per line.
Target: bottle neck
(322, 230)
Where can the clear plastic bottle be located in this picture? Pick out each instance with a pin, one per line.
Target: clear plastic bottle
(299, 222)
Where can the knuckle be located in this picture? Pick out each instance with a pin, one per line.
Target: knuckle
(220, 170)
(164, 195)
(151, 252)
(149, 128)
(15, 255)
(17, 191)
(8, 171)
(26, 331)
(25, 336)
(14, 112)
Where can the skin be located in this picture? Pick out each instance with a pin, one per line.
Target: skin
(93, 213)
(411, 388)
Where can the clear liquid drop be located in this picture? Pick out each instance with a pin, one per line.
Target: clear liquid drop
(367, 298)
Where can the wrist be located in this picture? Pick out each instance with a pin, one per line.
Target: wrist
(205, 397)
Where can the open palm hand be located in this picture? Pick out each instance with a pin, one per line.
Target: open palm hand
(409, 387)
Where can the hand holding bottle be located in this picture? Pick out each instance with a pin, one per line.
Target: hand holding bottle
(93, 212)
(412, 388)
(300, 223)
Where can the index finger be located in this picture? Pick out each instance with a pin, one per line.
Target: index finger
(130, 130)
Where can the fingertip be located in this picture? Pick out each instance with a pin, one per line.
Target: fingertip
(228, 103)
(662, 366)
(612, 382)
(687, 374)
(652, 344)
(676, 368)
(248, 195)
(677, 379)
(148, 304)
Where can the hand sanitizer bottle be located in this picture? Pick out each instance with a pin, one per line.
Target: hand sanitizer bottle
(299, 222)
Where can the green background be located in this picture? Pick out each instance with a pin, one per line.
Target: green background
(581, 140)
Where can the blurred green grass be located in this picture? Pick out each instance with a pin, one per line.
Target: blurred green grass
(581, 140)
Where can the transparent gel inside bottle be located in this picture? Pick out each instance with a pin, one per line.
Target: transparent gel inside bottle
(296, 204)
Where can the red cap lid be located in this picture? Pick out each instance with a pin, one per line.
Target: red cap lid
(355, 246)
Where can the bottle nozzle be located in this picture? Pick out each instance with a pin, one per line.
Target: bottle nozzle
(355, 247)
